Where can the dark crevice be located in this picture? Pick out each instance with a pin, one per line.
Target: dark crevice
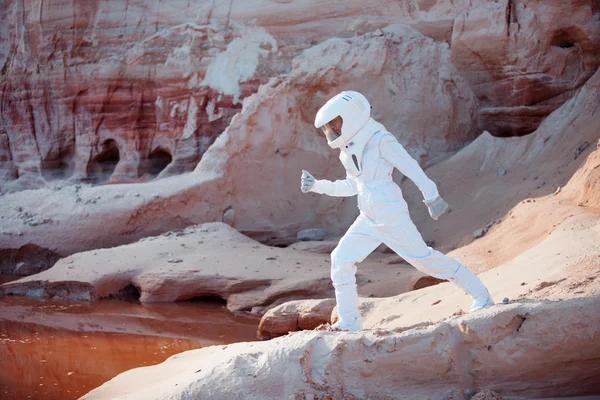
(27, 260)
(511, 16)
(522, 320)
(206, 299)
(567, 38)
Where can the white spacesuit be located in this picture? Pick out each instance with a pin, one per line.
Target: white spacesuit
(369, 154)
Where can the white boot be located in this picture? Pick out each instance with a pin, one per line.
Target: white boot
(472, 285)
(347, 302)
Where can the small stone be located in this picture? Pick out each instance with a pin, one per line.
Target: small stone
(479, 233)
(258, 310)
(581, 149)
(228, 216)
(436, 302)
(501, 172)
(315, 234)
(175, 260)
(271, 258)
(523, 284)
(505, 300)
(487, 394)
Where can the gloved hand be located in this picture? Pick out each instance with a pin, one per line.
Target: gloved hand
(436, 207)
(307, 181)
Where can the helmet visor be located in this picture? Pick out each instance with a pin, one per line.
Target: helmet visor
(333, 129)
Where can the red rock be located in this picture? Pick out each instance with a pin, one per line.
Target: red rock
(293, 316)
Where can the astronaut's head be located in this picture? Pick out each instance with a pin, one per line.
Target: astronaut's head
(342, 117)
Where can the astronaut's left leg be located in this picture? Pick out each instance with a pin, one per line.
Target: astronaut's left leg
(359, 241)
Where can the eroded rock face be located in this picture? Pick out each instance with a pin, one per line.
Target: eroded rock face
(87, 97)
(524, 59)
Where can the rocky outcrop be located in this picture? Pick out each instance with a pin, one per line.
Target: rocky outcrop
(205, 261)
(496, 174)
(524, 59)
(513, 350)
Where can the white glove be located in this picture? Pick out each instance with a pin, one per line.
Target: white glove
(436, 207)
(307, 181)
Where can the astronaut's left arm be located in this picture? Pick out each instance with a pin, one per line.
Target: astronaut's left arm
(397, 155)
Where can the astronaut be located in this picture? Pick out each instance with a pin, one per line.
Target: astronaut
(369, 154)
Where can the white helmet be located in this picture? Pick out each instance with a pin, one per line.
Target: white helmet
(352, 107)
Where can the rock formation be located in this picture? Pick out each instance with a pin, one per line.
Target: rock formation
(110, 93)
(513, 349)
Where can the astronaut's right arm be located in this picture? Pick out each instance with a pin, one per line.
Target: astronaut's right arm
(340, 188)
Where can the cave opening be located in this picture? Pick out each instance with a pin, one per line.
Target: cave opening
(158, 160)
(128, 293)
(61, 165)
(565, 38)
(103, 165)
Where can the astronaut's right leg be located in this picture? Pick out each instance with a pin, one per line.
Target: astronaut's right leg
(359, 241)
(402, 236)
